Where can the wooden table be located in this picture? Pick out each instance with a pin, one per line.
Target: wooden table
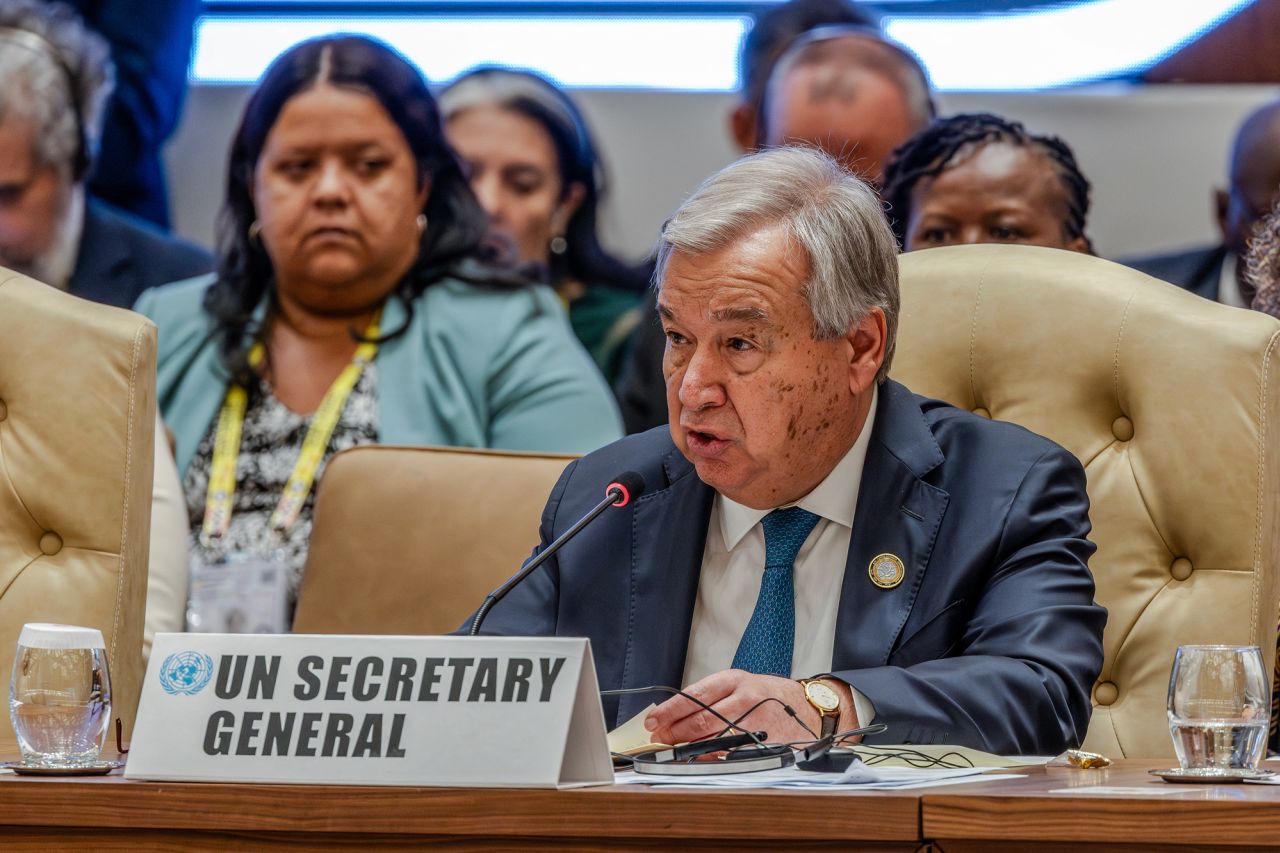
(1052, 811)
(1047, 811)
(111, 813)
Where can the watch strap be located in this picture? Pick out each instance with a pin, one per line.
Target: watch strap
(829, 722)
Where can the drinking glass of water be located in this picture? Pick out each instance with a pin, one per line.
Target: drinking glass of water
(1218, 708)
(60, 695)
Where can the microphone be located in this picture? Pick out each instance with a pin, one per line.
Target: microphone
(626, 487)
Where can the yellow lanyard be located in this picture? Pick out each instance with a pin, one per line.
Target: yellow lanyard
(220, 498)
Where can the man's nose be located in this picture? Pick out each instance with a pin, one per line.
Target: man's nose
(702, 384)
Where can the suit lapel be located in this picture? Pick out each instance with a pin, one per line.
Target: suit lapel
(898, 513)
(101, 259)
(669, 534)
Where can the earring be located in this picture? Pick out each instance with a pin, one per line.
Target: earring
(422, 224)
(255, 230)
(558, 245)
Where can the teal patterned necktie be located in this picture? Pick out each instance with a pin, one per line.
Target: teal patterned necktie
(767, 643)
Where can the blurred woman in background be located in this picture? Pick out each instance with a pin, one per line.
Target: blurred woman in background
(535, 170)
(977, 178)
(357, 300)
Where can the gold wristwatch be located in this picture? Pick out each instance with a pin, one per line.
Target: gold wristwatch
(825, 701)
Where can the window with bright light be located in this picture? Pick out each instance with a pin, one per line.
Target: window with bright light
(693, 46)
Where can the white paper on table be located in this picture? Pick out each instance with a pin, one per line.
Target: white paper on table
(859, 777)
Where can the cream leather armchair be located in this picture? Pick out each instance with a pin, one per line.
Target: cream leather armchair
(1171, 403)
(409, 540)
(77, 417)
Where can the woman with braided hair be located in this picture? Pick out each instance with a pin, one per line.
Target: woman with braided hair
(977, 178)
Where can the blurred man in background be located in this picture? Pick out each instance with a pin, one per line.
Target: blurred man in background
(849, 92)
(1218, 272)
(55, 77)
(814, 73)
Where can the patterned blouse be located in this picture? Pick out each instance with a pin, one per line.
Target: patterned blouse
(270, 441)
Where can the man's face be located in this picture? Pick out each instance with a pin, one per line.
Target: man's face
(856, 115)
(1250, 198)
(33, 198)
(1255, 179)
(762, 409)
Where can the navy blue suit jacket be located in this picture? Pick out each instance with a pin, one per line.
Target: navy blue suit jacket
(992, 640)
(1197, 270)
(120, 256)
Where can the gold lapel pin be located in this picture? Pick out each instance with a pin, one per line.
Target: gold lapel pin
(886, 571)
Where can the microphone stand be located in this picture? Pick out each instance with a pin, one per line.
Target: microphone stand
(612, 497)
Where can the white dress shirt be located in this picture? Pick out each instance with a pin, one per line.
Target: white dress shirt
(1228, 285)
(733, 566)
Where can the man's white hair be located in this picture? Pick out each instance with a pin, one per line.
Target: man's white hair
(834, 217)
(51, 68)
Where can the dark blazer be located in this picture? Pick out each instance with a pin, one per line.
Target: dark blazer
(121, 256)
(1197, 270)
(992, 640)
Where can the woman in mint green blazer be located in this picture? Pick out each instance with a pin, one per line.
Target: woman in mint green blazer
(358, 299)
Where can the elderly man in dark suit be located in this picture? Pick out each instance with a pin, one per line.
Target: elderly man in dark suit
(813, 532)
(54, 80)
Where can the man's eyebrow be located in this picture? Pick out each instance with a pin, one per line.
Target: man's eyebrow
(725, 315)
(740, 315)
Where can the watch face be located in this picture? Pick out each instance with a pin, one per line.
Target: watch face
(822, 696)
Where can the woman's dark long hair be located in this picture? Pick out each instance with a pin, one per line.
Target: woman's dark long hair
(457, 227)
(931, 151)
(537, 98)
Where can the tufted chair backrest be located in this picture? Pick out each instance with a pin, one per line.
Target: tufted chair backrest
(1170, 402)
(409, 540)
(77, 418)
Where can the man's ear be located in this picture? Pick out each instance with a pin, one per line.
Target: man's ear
(1221, 205)
(743, 127)
(866, 341)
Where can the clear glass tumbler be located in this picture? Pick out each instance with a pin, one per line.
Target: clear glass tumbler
(1218, 708)
(60, 695)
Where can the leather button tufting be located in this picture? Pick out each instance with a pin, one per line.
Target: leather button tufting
(50, 543)
(982, 413)
(1106, 693)
(1122, 428)
(1181, 569)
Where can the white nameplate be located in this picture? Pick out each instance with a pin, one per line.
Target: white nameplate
(354, 710)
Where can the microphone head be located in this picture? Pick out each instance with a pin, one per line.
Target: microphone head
(626, 486)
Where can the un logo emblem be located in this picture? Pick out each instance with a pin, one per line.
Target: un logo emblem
(185, 673)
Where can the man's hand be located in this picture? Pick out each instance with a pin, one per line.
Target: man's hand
(732, 692)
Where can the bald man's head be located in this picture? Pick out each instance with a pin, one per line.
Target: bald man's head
(855, 96)
(1255, 177)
